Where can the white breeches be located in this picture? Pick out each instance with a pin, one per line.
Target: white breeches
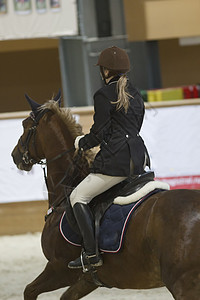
(91, 186)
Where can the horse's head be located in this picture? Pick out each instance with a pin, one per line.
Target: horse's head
(49, 133)
(26, 153)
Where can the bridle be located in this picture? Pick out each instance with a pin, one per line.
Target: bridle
(25, 155)
(27, 159)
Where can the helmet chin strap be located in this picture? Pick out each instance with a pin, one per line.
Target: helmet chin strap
(103, 76)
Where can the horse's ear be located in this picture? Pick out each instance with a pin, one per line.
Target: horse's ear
(34, 105)
(58, 97)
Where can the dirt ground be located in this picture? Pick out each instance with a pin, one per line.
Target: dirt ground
(21, 260)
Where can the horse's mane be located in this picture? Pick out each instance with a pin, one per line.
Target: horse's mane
(66, 115)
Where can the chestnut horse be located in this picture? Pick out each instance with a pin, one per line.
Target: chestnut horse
(162, 242)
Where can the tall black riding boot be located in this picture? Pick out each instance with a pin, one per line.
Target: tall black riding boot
(85, 222)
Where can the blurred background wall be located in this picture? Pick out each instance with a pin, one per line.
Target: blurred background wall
(161, 37)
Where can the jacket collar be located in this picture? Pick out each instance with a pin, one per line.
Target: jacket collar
(113, 80)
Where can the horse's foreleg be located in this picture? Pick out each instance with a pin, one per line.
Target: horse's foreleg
(53, 277)
(81, 288)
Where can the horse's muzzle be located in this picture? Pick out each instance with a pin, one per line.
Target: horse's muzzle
(17, 158)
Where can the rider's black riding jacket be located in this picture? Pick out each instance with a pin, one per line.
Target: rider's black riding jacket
(117, 133)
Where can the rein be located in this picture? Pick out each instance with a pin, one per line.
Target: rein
(53, 159)
(61, 154)
(53, 207)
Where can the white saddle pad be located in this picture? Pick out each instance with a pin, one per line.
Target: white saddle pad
(147, 188)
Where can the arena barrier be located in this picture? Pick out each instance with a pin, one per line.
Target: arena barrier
(171, 133)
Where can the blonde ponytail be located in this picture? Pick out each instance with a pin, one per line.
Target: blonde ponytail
(123, 95)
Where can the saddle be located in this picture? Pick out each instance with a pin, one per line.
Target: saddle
(103, 201)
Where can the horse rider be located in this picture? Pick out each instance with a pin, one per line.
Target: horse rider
(118, 117)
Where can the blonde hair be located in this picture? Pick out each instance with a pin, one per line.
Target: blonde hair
(123, 95)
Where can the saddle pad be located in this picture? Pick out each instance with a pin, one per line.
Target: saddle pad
(112, 229)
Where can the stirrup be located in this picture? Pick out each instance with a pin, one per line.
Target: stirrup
(86, 262)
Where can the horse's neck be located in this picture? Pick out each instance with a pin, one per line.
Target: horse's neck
(56, 143)
(56, 178)
(63, 173)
